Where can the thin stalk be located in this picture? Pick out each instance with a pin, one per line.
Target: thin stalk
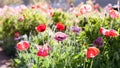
(74, 39)
(54, 28)
(27, 56)
(111, 24)
(91, 64)
(84, 62)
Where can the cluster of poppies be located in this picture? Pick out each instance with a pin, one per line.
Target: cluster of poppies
(84, 9)
(94, 51)
(46, 9)
(60, 36)
(43, 50)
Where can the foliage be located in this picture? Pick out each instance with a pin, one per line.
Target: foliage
(12, 25)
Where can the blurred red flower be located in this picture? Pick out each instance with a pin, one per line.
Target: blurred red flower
(33, 7)
(112, 33)
(60, 26)
(17, 34)
(43, 50)
(40, 28)
(96, 6)
(23, 45)
(38, 6)
(92, 52)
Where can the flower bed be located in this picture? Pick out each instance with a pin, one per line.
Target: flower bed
(81, 37)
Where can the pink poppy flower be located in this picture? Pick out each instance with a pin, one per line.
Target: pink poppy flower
(92, 52)
(23, 45)
(21, 18)
(113, 13)
(85, 9)
(60, 36)
(43, 51)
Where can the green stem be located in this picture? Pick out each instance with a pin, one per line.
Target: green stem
(91, 64)
(27, 56)
(54, 29)
(74, 39)
(84, 62)
(111, 25)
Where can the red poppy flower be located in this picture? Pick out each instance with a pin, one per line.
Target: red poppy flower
(17, 34)
(33, 7)
(113, 13)
(60, 26)
(43, 51)
(40, 28)
(92, 52)
(38, 6)
(106, 32)
(112, 33)
(23, 45)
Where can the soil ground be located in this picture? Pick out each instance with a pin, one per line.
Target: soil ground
(5, 61)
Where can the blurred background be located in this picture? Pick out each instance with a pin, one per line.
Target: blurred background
(54, 3)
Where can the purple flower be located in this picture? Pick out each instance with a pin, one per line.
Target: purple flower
(60, 36)
(16, 38)
(98, 42)
(76, 29)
